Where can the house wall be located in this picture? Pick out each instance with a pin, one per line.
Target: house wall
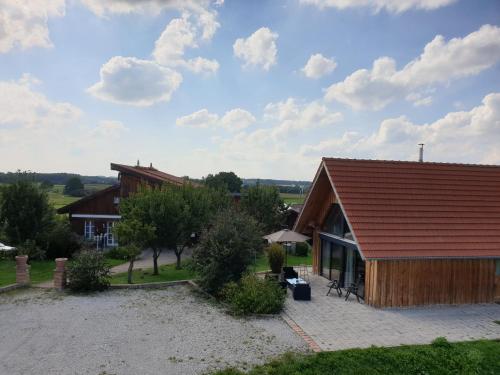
(397, 283)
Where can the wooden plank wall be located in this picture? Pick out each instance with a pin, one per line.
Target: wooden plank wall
(323, 210)
(398, 283)
(497, 289)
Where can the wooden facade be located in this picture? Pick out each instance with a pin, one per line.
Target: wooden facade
(411, 282)
(96, 214)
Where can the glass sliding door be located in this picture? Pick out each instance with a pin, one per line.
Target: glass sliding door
(325, 258)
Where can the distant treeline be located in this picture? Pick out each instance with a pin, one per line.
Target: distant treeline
(55, 178)
(285, 186)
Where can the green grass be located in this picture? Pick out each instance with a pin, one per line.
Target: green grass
(57, 199)
(142, 276)
(40, 271)
(292, 260)
(474, 357)
(291, 198)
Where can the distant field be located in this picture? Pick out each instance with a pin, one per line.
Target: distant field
(291, 198)
(58, 200)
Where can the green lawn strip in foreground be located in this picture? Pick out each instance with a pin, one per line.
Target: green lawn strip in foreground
(40, 270)
(292, 260)
(167, 272)
(474, 357)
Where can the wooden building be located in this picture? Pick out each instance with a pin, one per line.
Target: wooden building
(410, 233)
(96, 214)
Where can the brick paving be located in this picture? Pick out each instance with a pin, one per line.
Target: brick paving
(333, 324)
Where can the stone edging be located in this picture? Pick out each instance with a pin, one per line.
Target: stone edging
(296, 328)
(10, 287)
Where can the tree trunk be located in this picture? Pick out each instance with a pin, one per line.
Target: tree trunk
(178, 253)
(156, 255)
(130, 268)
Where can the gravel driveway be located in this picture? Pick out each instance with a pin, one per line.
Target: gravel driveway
(169, 331)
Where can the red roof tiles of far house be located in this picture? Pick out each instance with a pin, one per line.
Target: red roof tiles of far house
(148, 173)
(412, 209)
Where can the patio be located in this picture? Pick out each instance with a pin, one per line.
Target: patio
(337, 324)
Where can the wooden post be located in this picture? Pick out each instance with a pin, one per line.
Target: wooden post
(60, 273)
(22, 270)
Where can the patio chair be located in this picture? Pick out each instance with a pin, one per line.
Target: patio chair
(334, 284)
(354, 288)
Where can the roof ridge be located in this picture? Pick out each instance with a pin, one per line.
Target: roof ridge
(326, 158)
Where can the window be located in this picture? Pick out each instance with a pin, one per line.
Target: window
(116, 200)
(111, 240)
(498, 267)
(89, 230)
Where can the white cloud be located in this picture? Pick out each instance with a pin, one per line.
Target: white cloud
(170, 47)
(392, 6)
(237, 119)
(109, 129)
(440, 62)
(128, 80)
(199, 119)
(21, 106)
(206, 18)
(465, 136)
(269, 147)
(23, 23)
(45, 135)
(318, 66)
(291, 115)
(234, 120)
(259, 49)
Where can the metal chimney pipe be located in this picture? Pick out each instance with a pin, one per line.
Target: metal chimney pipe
(421, 153)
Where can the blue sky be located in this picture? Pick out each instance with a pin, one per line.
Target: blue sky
(263, 88)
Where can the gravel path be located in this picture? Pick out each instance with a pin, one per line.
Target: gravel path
(169, 331)
(146, 260)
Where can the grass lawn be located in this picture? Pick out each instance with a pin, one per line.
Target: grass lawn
(474, 357)
(40, 271)
(291, 198)
(57, 199)
(292, 260)
(167, 273)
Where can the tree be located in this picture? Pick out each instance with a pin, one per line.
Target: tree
(224, 180)
(265, 205)
(134, 235)
(25, 213)
(227, 247)
(177, 213)
(46, 185)
(74, 187)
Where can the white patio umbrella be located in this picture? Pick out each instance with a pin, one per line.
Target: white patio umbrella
(286, 236)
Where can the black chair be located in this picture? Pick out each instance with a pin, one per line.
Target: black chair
(354, 288)
(289, 273)
(335, 284)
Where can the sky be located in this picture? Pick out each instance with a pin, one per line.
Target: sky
(261, 88)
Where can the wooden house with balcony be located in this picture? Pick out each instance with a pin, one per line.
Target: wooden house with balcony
(407, 233)
(96, 214)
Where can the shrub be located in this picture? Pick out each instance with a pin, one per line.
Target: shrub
(88, 271)
(301, 249)
(253, 295)
(62, 242)
(226, 248)
(276, 257)
(117, 253)
(30, 248)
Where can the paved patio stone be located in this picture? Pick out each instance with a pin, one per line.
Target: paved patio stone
(337, 324)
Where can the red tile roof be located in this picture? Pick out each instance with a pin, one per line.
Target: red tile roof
(411, 209)
(148, 173)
